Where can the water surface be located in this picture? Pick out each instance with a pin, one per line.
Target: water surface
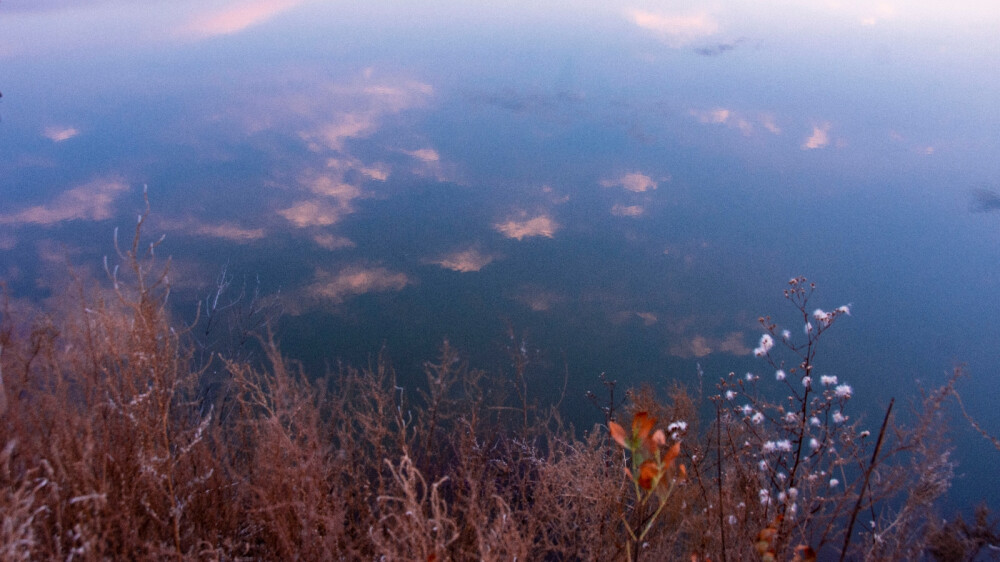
(624, 187)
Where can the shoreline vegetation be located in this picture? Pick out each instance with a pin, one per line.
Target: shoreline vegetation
(123, 438)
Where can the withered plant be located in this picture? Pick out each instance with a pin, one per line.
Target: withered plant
(789, 474)
(123, 436)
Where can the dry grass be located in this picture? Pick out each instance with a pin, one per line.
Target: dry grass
(120, 438)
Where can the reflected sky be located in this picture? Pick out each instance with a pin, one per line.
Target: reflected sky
(628, 185)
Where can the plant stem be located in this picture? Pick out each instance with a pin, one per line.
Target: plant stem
(864, 485)
(718, 463)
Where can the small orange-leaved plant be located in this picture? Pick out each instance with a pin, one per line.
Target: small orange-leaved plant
(652, 474)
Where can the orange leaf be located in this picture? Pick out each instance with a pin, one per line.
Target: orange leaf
(642, 424)
(766, 536)
(648, 472)
(804, 553)
(617, 433)
(653, 443)
(659, 437)
(672, 453)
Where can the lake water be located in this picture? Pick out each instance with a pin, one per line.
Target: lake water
(624, 187)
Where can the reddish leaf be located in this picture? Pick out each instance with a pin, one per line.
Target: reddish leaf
(804, 553)
(617, 433)
(672, 453)
(765, 539)
(642, 424)
(648, 473)
(659, 437)
(652, 443)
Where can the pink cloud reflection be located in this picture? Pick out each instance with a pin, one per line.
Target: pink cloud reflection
(464, 261)
(356, 280)
(542, 225)
(92, 201)
(59, 134)
(238, 17)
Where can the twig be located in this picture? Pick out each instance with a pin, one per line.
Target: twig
(718, 462)
(864, 485)
(973, 423)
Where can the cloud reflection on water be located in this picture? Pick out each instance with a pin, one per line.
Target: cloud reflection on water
(819, 138)
(523, 227)
(313, 213)
(215, 229)
(620, 210)
(323, 153)
(60, 134)
(635, 182)
(236, 18)
(464, 261)
(648, 318)
(325, 117)
(736, 120)
(676, 30)
(539, 299)
(331, 242)
(353, 280)
(92, 201)
(699, 346)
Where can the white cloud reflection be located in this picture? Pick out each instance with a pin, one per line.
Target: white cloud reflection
(348, 164)
(464, 261)
(539, 299)
(648, 318)
(430, 165)
(332, 242)
(355, 280)
(733, 119)
(521, 228)
(59, 134)
(91, 201)
(333, 114)
(635, 182)
(324, 114)
(554, 197)
(329, 195)
(236, 17)
(216, 229)
(921, 149)
(338, 129)
(620, 210)
(768, 122)
(58, 26)
(231, 232)
(313, 213)
(334, 187)
(675, 30)
(424, 154)
(881, 13)
(819, 138)
(718, 115)
(699, 346)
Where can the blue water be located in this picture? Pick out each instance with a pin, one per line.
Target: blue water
(626, 189)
